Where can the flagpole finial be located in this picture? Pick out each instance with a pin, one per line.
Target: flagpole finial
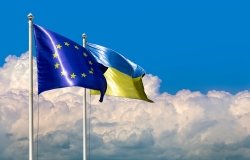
(30, 16)
(84, 36)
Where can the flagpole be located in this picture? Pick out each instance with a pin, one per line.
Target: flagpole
(30, 18)
(84, 112)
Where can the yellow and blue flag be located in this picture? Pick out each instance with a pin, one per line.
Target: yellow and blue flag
(64, 63)
(124, 78)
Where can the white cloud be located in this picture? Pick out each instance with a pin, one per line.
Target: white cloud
(188, 125)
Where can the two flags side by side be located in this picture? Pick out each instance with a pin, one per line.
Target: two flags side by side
(64, 63)
(124, 78)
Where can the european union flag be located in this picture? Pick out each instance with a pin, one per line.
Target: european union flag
(64, 63)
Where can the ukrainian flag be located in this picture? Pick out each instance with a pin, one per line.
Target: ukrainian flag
(124, 78)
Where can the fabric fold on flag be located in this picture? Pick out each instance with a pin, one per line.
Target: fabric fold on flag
(62, 62)
(124, 78)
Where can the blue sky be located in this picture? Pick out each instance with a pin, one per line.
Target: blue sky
(196, 45)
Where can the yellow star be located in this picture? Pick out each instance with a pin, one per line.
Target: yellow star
(85, 54)
(76, 47)
(91, 72)
(66, 44)
(63, 73)
(57, 65)
(58, 46)
(84, 75)
(90, 63)
(55, 55)
(73, 76)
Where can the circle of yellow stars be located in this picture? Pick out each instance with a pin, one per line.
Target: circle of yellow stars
(72, 75)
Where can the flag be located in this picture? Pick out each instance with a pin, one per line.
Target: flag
(64, 63)
(124, 78)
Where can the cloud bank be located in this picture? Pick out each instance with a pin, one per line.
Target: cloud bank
(185, 126)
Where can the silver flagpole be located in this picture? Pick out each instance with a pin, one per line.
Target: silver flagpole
(84, 110)
(30, 17)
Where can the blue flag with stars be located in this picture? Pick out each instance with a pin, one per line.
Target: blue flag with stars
(64, 63)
